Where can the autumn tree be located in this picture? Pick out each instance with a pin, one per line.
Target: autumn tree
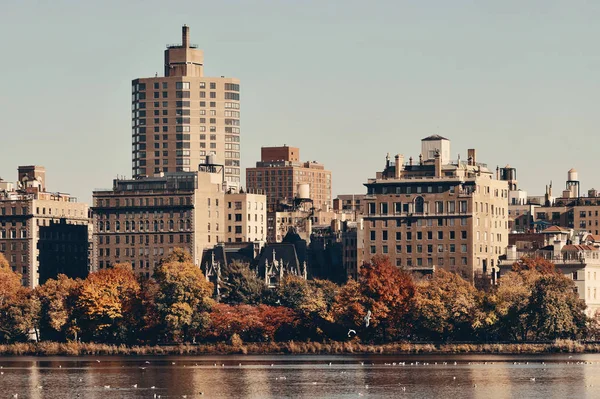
(19, 309)
(538, 264)
(383, 290)
(311, 300)
(183, 298)
(444, 307)
(260, 323)
(105, 305)
(57, 303)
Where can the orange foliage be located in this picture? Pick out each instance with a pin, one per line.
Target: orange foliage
(251, 323)
(538, 264)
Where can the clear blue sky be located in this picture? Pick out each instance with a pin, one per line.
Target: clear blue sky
(346, 81)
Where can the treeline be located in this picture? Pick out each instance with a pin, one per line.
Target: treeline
(386, 304)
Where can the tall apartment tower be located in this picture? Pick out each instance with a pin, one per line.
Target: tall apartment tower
(437, 213)
(180, 118)
(280, 175)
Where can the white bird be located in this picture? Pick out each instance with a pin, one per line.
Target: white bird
(39, 387)
(453, 378)
(16, 395)
(97, 361)
(147, 362)
(152, 387)
(367, 318)
(532, 379)
(134, 385)
(173, 363)
(107, 387)
(351, 332)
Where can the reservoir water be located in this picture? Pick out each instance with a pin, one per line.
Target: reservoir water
(302, 376)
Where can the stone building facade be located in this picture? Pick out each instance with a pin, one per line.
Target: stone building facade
(437, 213)
(140, 221)
(246, 217)
(29, 216)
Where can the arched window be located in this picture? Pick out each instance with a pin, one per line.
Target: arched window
(101, 226)
(127, 225)
(118, 226)
(147, 225)
(419, 205)
(181, 225)
(188, 224)
(133, 225)
(156, 225)
(171, 224)
(162, 225)
(107, 226)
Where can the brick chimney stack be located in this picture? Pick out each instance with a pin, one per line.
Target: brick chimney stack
(185, 36)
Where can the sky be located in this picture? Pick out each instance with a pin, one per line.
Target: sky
(346, 81)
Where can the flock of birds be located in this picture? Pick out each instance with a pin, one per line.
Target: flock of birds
(362, 363)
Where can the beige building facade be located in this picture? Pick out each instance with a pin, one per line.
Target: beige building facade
(437, 213)
(27, 213)
(282, 177)
(246, 217)
(140, 221)
(180, 118)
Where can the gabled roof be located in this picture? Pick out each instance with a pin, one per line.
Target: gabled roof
(592, 237)
(578, 248)
(434, 137)
(554, 230)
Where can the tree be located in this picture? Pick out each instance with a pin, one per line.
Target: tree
(311, 300)
(538, 264)
(445, 306)
(105, 305)
(57, 303)
(19, 310)
(535, 301)
(183, 299)
(260, 323)
(555, 310)
(240, 285)
(385, 291)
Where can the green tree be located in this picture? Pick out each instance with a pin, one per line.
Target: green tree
(555, 310)
(240, 285)
(183, 300)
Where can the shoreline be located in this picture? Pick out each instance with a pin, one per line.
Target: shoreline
(292, 347)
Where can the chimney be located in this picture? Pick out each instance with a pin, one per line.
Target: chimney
(438, 164)
(185, 36)
(399, 165)
(471, 155)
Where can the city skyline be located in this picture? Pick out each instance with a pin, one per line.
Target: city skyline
(416, 70)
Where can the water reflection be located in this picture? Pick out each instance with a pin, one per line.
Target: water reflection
(473, 377)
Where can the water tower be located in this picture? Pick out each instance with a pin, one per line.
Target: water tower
(573, 184)
(509, 175)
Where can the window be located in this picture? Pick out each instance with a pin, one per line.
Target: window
(373, 235)
(182, 85)
(419, 205)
